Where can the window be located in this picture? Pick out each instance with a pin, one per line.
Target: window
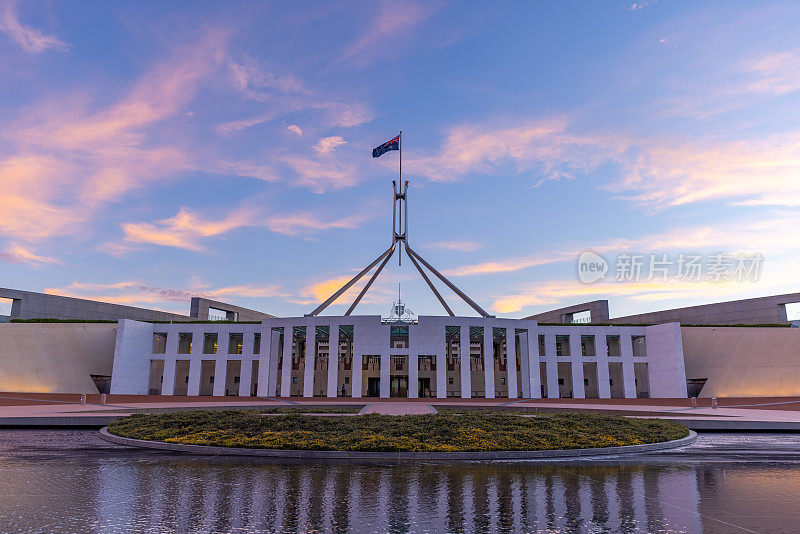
(612, 346)
(639, 346)
(585, 381)
(560, 381)
(235, 379)
(502, 381)
(347, 380)
(257, 343)
(587, 346)
(450, 381)
(159, 343)
(211, 380)
(562, 346)
(294, 380)
(185, 343)
(5, 306)
(210, 343)
(235, 343)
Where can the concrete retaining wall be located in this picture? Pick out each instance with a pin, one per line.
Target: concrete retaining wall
(55, 358)
(400, 456)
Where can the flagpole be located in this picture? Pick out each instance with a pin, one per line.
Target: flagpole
(400, 148)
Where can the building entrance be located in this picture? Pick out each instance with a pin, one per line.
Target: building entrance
(373, 387)
(399, 386)
(424, 388)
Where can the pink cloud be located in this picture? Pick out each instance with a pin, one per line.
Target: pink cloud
(653, 172)
(30, 39)
(327, 145)
(64, 160)
(18, 254)
(187, 229)
(135, 293)
(460, 246)
(392, 20)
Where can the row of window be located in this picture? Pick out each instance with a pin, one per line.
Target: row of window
(210, 343)
(589, 348)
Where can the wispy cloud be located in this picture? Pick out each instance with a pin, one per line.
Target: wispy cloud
(765, 235)
(137, 293)
(393, 19)
(61, 159)
(15, 253)
(327, 145)
(460, 246)
(187, 229)
(653, 172)
(320, 174)
(299, 223)
(30, 39)
(295, 129)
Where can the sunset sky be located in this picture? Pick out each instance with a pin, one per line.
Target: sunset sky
(151, 151)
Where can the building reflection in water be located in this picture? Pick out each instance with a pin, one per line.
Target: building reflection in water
(156, 493)
(192, 495)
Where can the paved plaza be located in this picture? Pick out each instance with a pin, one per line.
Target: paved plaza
(761, 413)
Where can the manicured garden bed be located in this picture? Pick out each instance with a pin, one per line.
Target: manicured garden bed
(450, 432)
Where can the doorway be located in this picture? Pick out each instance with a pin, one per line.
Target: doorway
(373, 387)
(399, 386)
(424, 388)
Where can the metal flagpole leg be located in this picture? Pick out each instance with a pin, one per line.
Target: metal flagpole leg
(355, 279)
(452, 286)
(430, 284)
(369, 283)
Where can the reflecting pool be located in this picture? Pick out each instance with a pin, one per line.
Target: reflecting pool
(71, 481)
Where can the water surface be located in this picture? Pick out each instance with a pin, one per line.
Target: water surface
(71, 481)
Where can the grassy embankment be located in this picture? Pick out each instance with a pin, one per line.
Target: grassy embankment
(475, 431)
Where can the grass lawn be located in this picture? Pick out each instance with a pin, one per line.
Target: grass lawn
(475, 431)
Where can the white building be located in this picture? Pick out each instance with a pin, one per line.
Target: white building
(436, 356)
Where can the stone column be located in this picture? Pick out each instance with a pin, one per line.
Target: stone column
(628, 374)
(195, 366)
(488, 360)
(286, 364)
(311, 356)
(525, 373)
(358, 365)
(551, 364)
(221, 364)
(576, 358)
(246, 369)
(511, 362)
(441, 373)
(533, 364)
(268, 362)
(386, 362)
(603, 384)
(333, 361)
(170, 362)
(413, 374)
(466, 373)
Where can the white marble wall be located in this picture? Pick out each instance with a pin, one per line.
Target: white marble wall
(427, 337)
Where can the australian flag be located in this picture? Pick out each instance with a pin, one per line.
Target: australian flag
(392, 144)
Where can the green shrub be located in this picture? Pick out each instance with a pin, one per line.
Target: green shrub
(478, 431)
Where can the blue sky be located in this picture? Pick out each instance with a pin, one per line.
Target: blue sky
(152, 151)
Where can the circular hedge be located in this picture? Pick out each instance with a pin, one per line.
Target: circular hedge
(445, 432)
